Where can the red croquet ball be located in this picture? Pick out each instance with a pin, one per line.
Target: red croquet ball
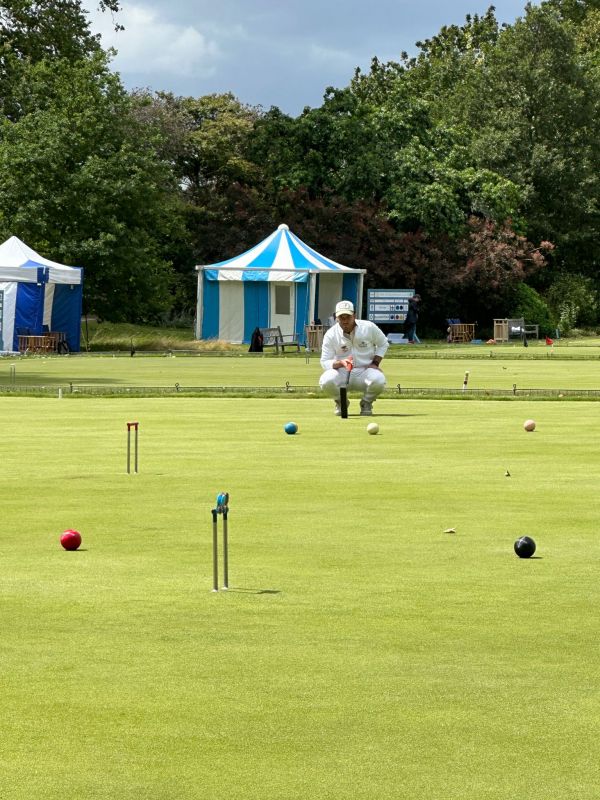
(70, 539)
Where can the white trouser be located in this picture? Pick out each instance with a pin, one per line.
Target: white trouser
(369, 381)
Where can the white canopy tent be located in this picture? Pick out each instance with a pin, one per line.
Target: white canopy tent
(37, 295)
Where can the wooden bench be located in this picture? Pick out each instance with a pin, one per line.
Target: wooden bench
(272, 337)
(51, 342)
(531, 330)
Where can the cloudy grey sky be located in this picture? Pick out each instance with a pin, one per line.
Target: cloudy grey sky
(271, 52)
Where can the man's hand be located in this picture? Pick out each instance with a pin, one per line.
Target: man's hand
(344, 363)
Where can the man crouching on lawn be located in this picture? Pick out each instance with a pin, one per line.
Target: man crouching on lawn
(351, 356)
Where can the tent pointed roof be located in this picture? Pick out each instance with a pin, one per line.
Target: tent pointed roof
(19, 262)
(282, 250)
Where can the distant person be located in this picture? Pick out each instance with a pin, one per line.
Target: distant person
(352, 352)
(410, 323)
(256, 342)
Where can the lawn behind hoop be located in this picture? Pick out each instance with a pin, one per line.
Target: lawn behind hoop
(363, 650)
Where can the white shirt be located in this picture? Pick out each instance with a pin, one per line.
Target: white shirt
(365, 341)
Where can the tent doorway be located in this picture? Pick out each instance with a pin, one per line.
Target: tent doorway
(283, 304)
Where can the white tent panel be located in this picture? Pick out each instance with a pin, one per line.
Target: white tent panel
(330, 291)
(231, 314)
(48, 300)
(20, 274)
(18, 262)
(8, 315)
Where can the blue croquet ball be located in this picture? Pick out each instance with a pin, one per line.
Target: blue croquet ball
(222, 501)
(525, 547)
(291, 428)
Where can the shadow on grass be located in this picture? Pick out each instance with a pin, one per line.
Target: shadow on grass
(253, 591)
(380, 414)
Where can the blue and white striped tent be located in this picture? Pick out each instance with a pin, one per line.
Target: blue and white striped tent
(281, 281)
(37, 295)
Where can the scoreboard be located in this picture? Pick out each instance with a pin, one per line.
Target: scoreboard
(388, 305)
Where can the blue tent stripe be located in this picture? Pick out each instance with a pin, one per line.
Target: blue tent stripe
(350, 290)
(266, 257)
(298, 258)
(254, 275)
(210, 318)
(321, 259)
(66, 313)
(301, 310)
(29, 311)
(256, 308)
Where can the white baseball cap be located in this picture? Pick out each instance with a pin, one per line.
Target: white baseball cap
(344, 307)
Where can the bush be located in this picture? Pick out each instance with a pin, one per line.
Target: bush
(574, 301)
(534, 309)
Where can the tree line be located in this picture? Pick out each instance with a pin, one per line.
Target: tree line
(469, 171)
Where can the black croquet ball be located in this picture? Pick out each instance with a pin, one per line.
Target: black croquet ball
(525, 547)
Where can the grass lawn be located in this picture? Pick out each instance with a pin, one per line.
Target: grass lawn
(362, 651)
(244, 370)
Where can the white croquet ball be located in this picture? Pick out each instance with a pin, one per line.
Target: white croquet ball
(529, 425)
(372, 428)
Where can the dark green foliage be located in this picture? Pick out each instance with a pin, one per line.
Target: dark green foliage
(575, 302)
(529, 305)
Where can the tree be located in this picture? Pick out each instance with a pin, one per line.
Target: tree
(41, 29)
(474, 277)
(35, 30)
(492, 261)
(534, 121)
(376, 141)
(575, 10)
(80, 180)
(575, 302)
(442, 72)
(82, 176)
(214, 152)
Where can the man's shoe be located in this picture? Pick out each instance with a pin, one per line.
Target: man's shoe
(366, 408)
(338, 408)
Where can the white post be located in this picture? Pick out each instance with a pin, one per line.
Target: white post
(199, 303)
